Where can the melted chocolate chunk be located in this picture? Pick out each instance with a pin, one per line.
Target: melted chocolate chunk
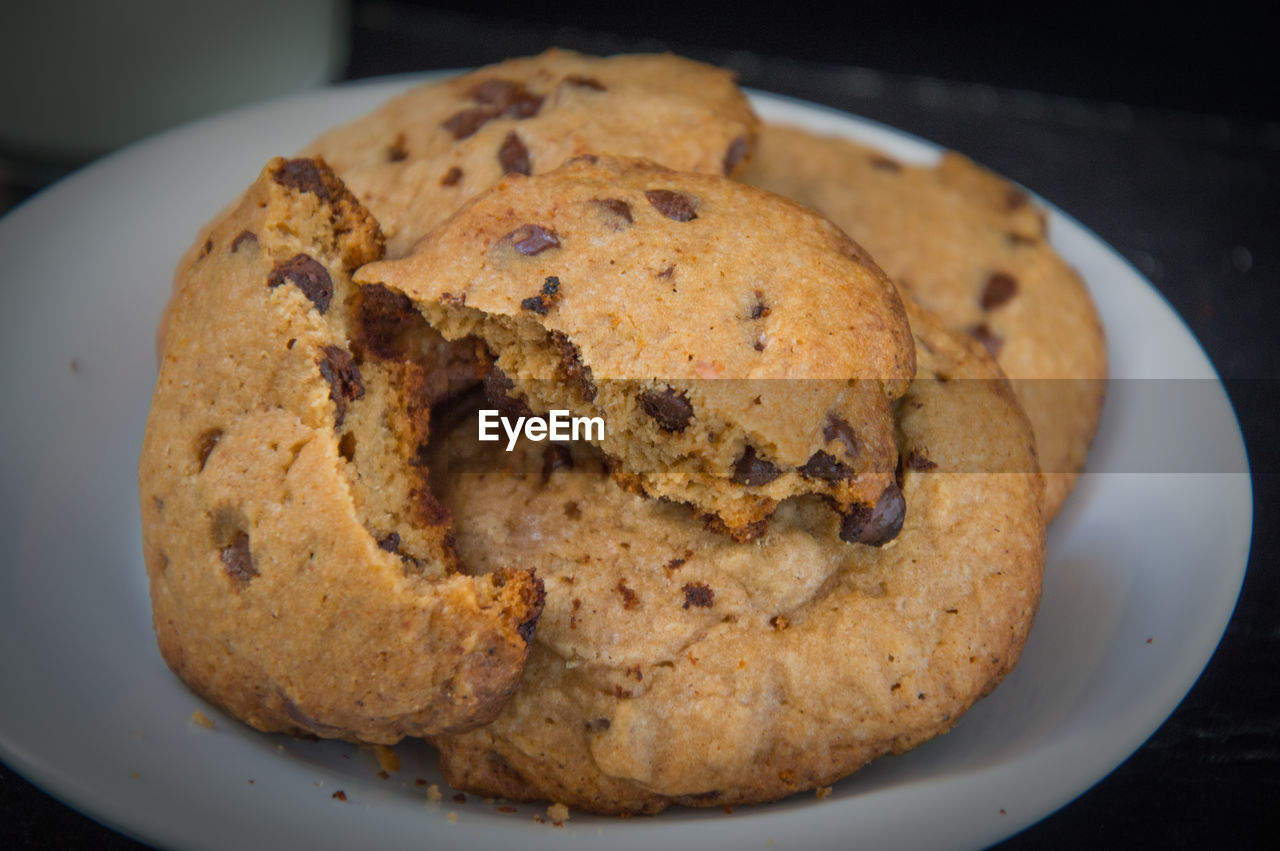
(390, 542)
(585, 82)
(241, 238)
(340, 370)
(513, 156)
(554, 457)
(533, 239)
(542, 303)
(671, 409)
(307, 275)
(303, 175)
(674, 205)
(572, 367)
(823, 465)
(237, 561)
(1001, 286)
(988, 338)
(734, 155)
(698, 594)
(617, 206)
(385, 319)
(753, 470)
(875, 526)
(451, 177)
(468, 121)
(838, 429)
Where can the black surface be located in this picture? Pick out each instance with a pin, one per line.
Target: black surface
(1159, 135)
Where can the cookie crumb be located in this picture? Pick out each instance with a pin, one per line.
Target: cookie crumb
(1002, 812)
(459, 798)
(201, 720)
(453, 817)
(387, 759)
(433, 793)
(339, 795)
(823, 792)
(382, 775)
(558, 813)
(506, 809)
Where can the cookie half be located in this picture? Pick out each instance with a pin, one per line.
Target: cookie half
(971, 246)
(303, 577)
(422, 155)
(738, 349)
(675, 666)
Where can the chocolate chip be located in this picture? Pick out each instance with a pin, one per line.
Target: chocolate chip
(837, 429)
(753, 470)
(513, 156)
(303, 175)
(237, 561)
(554, 457)
(340, 370)
(822, 465)
(585, 82)
(572, 367)
(307, 275)
(1015, 198)
(629, 597)
(885, 164)
(390, 542)
(917, 460)
(451, 177)
(205, 445)
(533, 239)
(396, 151)
(875, 526)
(988, 338)
(1001, 286)
(672, 410)
(385, 320)
(241, 238)
(1016, 238)
(734, 155)
(674, 205)
(760, 310)
(697, 594)
(468, 121)
(542, 303)
(507, 98)
(497, 389)
(205, 249)
(616, 206)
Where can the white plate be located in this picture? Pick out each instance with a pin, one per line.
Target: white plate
(1140, 583)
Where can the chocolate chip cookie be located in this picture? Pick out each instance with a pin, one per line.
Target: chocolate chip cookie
(973, 247)
(676, 666)
(303, 576)
(422, 155)
(739, 349)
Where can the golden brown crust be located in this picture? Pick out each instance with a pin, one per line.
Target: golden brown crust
(971, 246)
(302, 576)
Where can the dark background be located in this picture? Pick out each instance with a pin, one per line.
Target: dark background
(1158, 128)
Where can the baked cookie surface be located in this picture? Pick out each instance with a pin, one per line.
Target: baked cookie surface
(972, 247)
(422, 155)
(739, 349)
(302, 575)
(675, 666)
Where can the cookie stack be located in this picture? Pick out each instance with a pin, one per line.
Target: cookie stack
(809, 533)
